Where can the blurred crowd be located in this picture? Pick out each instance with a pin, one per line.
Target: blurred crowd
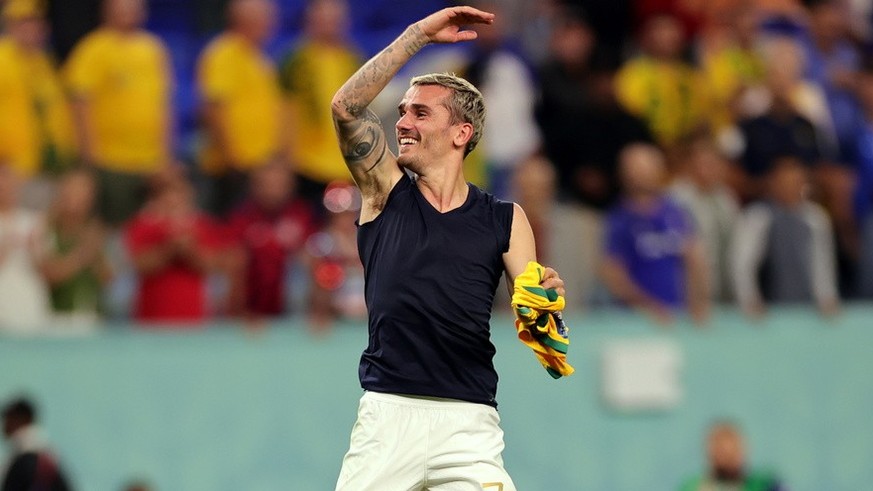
(671, 155)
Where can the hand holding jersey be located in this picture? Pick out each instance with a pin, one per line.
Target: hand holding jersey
(538, 321)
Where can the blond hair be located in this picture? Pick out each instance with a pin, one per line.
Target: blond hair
(466, 103)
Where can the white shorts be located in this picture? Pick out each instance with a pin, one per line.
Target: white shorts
(404, 443)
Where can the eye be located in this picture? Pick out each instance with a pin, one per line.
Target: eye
(421, 114)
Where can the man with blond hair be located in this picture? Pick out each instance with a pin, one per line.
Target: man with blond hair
(433, 248)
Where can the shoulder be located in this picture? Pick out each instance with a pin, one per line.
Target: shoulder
(221, 45)
(150, 41)
(97, 38)
(7, 47)
(816, 214)
(758, 212)
(295, 55)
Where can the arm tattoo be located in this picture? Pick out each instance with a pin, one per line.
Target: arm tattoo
(413, 41)
(363, 139)
(370, 79)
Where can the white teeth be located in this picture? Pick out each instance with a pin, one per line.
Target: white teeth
(407, 141)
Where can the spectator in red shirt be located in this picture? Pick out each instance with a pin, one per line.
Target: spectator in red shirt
(271, 227)
(173, 246)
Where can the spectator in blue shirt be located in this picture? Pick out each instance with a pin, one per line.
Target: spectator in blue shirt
(654, 260)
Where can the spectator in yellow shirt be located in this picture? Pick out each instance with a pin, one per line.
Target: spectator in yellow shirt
(242, 103)
(732, 66)
(121, 81)
(658, 86)
(310, 75)
(36, 132)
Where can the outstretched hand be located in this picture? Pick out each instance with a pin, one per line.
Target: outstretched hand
(445, 26)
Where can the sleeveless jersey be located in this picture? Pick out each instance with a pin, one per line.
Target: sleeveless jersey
(430, 284)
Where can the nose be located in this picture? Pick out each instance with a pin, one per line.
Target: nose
(404, 123)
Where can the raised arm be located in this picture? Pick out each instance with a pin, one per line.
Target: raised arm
(361, 138)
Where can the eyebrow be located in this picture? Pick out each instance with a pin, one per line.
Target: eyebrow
(414, 107)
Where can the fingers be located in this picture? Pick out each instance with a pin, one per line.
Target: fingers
(551, 280)
(466, 35)
(470, 15)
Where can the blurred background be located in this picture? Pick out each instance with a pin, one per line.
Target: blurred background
(181, 299)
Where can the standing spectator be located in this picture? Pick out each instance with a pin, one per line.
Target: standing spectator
(24, 299)
(241, 102)
(503, 77)
(121, 81)
(732, 66)
(36, 131)
(310, 74)
(659, 87)
(32, 466)
(726, 453)
(271, 227)
(173, 247)
(654, 260)
(785, 128)
(701, 187)
(832, 64)
(74, 263)
(788, 242)
(864, 191)
(583, 129)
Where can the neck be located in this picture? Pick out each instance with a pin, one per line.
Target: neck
(123, 29)
(444, 190)
(246, 37)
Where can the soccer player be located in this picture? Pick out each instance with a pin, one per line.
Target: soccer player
(433, 249)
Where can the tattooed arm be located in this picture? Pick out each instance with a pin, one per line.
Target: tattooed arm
(361, 138)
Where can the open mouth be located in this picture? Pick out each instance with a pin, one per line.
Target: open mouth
(406, 142)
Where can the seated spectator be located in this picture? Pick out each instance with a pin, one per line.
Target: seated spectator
(120, 80)
(726, 455)
(241, 102)
(271, 227)
(74, 263)
(787, 242)
(701, 187)
(31, 465)
(654, 260)
(661, 88)
(337, 272)
(24, 298)
(173, 246)
(864, 191)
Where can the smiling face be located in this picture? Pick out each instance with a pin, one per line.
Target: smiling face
(425, 131)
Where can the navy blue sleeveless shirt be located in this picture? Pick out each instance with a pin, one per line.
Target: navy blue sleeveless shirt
(430, 284)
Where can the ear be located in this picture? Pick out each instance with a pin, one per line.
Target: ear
(463, 133)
